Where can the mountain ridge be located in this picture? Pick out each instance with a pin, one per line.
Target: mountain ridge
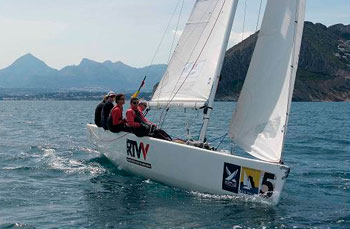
(324, 65)
(29, 71)
(323, 71)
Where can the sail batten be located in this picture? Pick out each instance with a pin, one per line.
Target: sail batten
(191, 72)
(259, 121)
(196, 22)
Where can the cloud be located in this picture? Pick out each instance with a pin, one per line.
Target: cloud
(14, 30)
(19, 37)
(236, 38)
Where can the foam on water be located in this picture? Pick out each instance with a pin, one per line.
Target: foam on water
(240, 198)
(148, 181)
(88, 150)
(16, 225)
(69, 165)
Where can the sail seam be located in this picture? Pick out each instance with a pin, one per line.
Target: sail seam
(196, 22)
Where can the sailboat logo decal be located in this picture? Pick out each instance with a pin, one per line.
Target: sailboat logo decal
(250, 180)
(231, 176)
(230, 179)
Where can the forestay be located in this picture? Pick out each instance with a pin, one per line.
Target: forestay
(260, 119)
(191, 72)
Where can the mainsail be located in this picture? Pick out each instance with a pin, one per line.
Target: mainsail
(196, 62)
(260, 119)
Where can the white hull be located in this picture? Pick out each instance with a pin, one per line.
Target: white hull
(190, 167)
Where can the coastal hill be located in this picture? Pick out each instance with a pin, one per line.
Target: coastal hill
(324, 65)
(323, 72)
(30, 72)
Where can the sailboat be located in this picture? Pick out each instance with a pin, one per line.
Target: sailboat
(259, 121)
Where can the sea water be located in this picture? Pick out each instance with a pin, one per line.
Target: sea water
(51, 176)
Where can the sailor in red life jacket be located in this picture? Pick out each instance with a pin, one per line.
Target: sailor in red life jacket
(141, 126)
(116, 122)
(137, 123)
(142, 106)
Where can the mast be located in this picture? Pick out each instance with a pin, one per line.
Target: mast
(209, 105)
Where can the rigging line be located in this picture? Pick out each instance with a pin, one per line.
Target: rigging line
(194, 47)
(161, 41)
(223, 138)
(161, 123)
(160, 84)
(188, 125)
(177, 25)
(184, 41)
(200, 53)
(245, 12)
(257, 23)
(224, 135)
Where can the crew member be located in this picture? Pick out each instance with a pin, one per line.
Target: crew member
(108, 106)
(141, 126)
(137, 123)
(98, 111)
(116, 123)
(142, 107)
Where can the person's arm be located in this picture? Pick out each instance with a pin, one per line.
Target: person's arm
(116, 116)
(130, 117)
(146, 120)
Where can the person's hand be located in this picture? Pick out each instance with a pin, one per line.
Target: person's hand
(153, 127)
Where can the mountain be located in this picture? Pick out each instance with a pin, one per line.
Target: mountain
(324, 65)
(30, 72)
(323, 72)
(27, 71)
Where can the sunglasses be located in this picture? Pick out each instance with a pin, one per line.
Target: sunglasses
(135, 102)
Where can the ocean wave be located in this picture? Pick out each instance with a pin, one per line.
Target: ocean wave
(25, 168)
(69, 165)
(88, 150)
(148, 181)
(239, 198)
(16, 225)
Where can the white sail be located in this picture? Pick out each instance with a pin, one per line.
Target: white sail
(193, 68)
(260, 118)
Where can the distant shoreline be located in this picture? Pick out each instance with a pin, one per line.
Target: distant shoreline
(99, 99)
(83, 95)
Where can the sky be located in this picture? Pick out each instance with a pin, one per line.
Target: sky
(62, 32)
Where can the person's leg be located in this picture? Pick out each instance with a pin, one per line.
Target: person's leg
(161, 134)
(141, 131)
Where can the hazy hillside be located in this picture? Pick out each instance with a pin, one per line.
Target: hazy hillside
(30, 72)
(324, 65)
